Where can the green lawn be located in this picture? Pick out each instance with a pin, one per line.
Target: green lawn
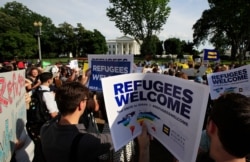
(160, 61)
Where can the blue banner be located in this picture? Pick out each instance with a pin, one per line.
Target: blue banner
(102, 69)
(210, 54)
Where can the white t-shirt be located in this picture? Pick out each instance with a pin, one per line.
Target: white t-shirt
(49, 99)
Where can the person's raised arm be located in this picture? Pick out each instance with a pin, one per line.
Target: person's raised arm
(144, 141)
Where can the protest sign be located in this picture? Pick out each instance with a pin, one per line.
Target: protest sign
(189, 71)
(85, 66)
(101, 69)
(73, 64)
(172, 108)
(201, 71)
(234, 80)
(211, 54)
(12, 110)
(109, 58)
(195, 72)
(107, 65)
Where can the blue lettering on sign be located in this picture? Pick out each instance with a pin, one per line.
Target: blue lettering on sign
(174, 97)
(105, 68)
(240, 75)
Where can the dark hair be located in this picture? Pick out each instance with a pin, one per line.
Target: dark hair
(231, 114)
(171, 72)
(33, 68)
(181, 75)
(45, 76)
(69, 96)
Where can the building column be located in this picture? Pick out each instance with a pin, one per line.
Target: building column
(127, 48)
(133, 48)
(121, 48)
(116, 48)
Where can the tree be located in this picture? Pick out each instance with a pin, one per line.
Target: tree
(173, 46)
(225, 24)
(17, 18)
(188, 48)
(22, 14)
(18, 35)
(13, 44)
(80, 41)
(139, 18)
(94, 43)
(159, 47)
(152, 46)
(66, 37)
(7, 23)
(99, 43)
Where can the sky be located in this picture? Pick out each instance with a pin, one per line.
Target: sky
(92, 15)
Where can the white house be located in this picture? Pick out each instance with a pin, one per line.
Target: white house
(123, 46)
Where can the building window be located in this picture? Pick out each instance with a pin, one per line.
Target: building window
(113, 46)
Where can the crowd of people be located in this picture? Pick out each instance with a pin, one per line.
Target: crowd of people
(79, 128)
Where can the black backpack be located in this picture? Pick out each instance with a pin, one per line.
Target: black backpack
(37, 114)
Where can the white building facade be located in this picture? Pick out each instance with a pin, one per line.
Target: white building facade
(123, 46)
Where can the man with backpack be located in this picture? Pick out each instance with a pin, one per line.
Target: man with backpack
(43, 106)
(42, 109)
(46, 79)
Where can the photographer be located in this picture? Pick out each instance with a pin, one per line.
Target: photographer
(68, 74)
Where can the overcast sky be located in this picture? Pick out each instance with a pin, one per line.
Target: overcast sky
(92, 15)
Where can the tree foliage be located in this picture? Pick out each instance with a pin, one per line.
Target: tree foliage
(7, 23)
(225, 24)
(79, 40)
(179, 47)
(18, 35)
(173, 46)
(17, 44)
(139, 18)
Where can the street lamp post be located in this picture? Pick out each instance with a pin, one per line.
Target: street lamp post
(38, 33)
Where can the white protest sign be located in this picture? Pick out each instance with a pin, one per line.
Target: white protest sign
(189, 71)
(201, 71)
(234, 80)
(116, 58)
(73, 64)
(12, 110)
(172, 108)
